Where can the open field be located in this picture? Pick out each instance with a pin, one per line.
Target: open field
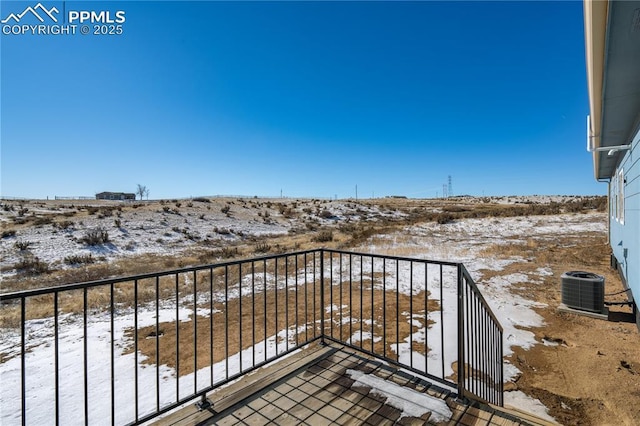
(583, 370)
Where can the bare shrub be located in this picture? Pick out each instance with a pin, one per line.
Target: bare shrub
(65, 224)
(79, 259)
(202, 200)
(323, 236)
(22, 245)
(325, 214)
(40, 221)
(226, 252)
(95, 237)
(262, 248)
(444, 218)
(32, 265)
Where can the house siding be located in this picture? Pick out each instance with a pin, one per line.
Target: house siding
(624, 233)
(115, 196)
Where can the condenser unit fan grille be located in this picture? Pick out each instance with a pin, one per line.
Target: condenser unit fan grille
(583, 291)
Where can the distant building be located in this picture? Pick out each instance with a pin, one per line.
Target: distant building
(122, 196)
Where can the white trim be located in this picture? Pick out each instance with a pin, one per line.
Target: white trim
(620, 178)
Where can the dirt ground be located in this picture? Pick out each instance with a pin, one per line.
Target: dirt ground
(589, 373)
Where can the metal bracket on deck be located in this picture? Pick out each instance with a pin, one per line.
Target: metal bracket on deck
(204, 403)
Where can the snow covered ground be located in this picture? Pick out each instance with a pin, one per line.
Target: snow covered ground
(163, 229)
(461, 241)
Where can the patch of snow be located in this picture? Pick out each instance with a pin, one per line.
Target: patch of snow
(521, 401)
(39, 364)
(409, 401)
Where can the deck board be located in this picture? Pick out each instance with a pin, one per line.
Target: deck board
(312, 387)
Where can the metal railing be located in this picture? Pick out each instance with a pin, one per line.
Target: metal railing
(422, 315)
(127, 350)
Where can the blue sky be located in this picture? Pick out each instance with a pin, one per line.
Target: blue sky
(311, 98)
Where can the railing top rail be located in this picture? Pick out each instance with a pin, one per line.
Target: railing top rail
(479, 295)
(88, 284)
(407, 259)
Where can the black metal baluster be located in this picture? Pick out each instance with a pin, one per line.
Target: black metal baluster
(84, 361)
(177, 338)
(426, 317)
(264, 292)
(56, 355)
(350, 299)
(286, 303)
(460, 325)
(340, 298)
(331, 291)
(384, 307)
(314, 293)
(240, 315)
(113, 379)
(397, 310)
(276, 303)
(322, 309)
(372, 305)
(157, 343)
(253, 312)
(211, 342)
(441, 322)
(226, 321)
(135, 345)
(296, 303)
(195, 332)
(306, 301)
(361, 300)
(411, 314)
(23, 375)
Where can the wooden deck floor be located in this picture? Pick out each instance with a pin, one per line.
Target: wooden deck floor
(316, 387)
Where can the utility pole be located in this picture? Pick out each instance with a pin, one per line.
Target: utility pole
(356, 192)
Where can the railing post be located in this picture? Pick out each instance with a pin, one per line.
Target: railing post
(461, 366)
(501, 374)
(322, 310)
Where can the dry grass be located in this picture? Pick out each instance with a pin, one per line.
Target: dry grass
(239, 323)
(345, 236)
(509, 250)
